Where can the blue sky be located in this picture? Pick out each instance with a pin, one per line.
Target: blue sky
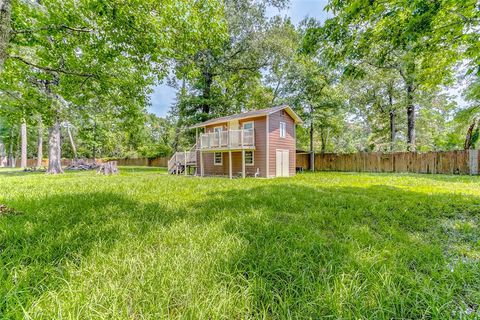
(164, 96)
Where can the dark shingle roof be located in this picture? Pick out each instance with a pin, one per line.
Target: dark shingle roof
(249, 114)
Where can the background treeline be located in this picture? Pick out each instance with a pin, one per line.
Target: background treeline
(376, 76)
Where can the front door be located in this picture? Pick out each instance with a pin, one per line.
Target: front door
(282, 163)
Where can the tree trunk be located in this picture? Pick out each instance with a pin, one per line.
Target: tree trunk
(40, 144)
(23, 133)
(393, 129)
(54, 149)
(411, 139)
(94, 141)
(393, 115)
(208, 78)
(11, 159)
(312, 152)
(2, 154)
(72, 143)
(5, 26)
(468, 138)
(324, 139)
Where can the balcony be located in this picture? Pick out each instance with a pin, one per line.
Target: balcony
(227, 140)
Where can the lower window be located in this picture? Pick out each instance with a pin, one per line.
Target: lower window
(218, 158)
(249, 158)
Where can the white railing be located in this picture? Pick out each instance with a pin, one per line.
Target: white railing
(182, 158)
(231, 139)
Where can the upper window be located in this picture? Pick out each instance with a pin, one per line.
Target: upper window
(283, 129)
(248, 125)
(218, 158)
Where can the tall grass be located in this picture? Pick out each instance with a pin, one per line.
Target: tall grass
(145, 245)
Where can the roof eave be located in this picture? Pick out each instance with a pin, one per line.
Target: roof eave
(292, 114)
(289, 110)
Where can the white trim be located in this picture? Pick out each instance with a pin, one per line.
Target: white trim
(268, 147)
(285, 131)
(230, 174)
(243, 164)
(215, 158)
(201, 164)
(253, 158)
(287, 109)
(221, 127)
(246, 122)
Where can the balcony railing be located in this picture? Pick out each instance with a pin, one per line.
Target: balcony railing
(231, 139)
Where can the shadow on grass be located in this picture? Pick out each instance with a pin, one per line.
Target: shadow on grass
(350, 252)
(309, 252)
(143, 169)
(9, 172)
(59, 230)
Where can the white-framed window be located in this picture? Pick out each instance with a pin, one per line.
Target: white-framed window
(218, 129)
(249, 158)
(248, 125)
(283, 129)
(218, 158)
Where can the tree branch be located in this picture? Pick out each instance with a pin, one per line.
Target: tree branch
(50, 69)
(49, 28)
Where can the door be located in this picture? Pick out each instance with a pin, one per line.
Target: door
(217, 137)
(283, 164)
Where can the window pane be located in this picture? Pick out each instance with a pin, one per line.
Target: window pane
(249, 157)
(248, 125)
(218, 158)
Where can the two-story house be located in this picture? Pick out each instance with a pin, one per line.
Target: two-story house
(257, 143)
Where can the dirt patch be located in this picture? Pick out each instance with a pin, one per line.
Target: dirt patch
(4, 211)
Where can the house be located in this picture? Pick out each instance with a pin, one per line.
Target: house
(260, 143)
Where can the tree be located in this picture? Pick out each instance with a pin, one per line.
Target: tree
(376, 96)
(401, 36)
(223, 75)
(5, 20)
(23, 134)
(39, 142)
(71, 51)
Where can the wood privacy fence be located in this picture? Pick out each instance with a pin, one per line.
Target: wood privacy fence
(448, 162)
(142, 162)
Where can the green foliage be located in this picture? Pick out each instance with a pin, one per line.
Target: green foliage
(320, 245)
(223, 76)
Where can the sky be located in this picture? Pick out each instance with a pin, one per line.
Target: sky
(164, 96)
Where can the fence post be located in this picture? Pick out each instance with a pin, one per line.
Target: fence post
(473, 163)
(312, 160)
(185, 168)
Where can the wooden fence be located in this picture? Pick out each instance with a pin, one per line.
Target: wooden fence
(144, 162)
(448, 162)
(141, 162)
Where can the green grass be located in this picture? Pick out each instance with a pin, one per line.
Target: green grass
(146, 245)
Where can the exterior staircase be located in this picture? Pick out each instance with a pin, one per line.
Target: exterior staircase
(182, 162)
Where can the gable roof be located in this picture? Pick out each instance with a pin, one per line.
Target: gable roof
(250, 114)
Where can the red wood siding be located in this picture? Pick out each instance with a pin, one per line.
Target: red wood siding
(260, 153)
(287, 143)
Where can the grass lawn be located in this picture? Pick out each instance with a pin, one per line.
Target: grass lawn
(146, 245)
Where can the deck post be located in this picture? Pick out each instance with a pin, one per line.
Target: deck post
(176, 163)
(230, 164)
(243, 163)
(185, 169)
(201, 163)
